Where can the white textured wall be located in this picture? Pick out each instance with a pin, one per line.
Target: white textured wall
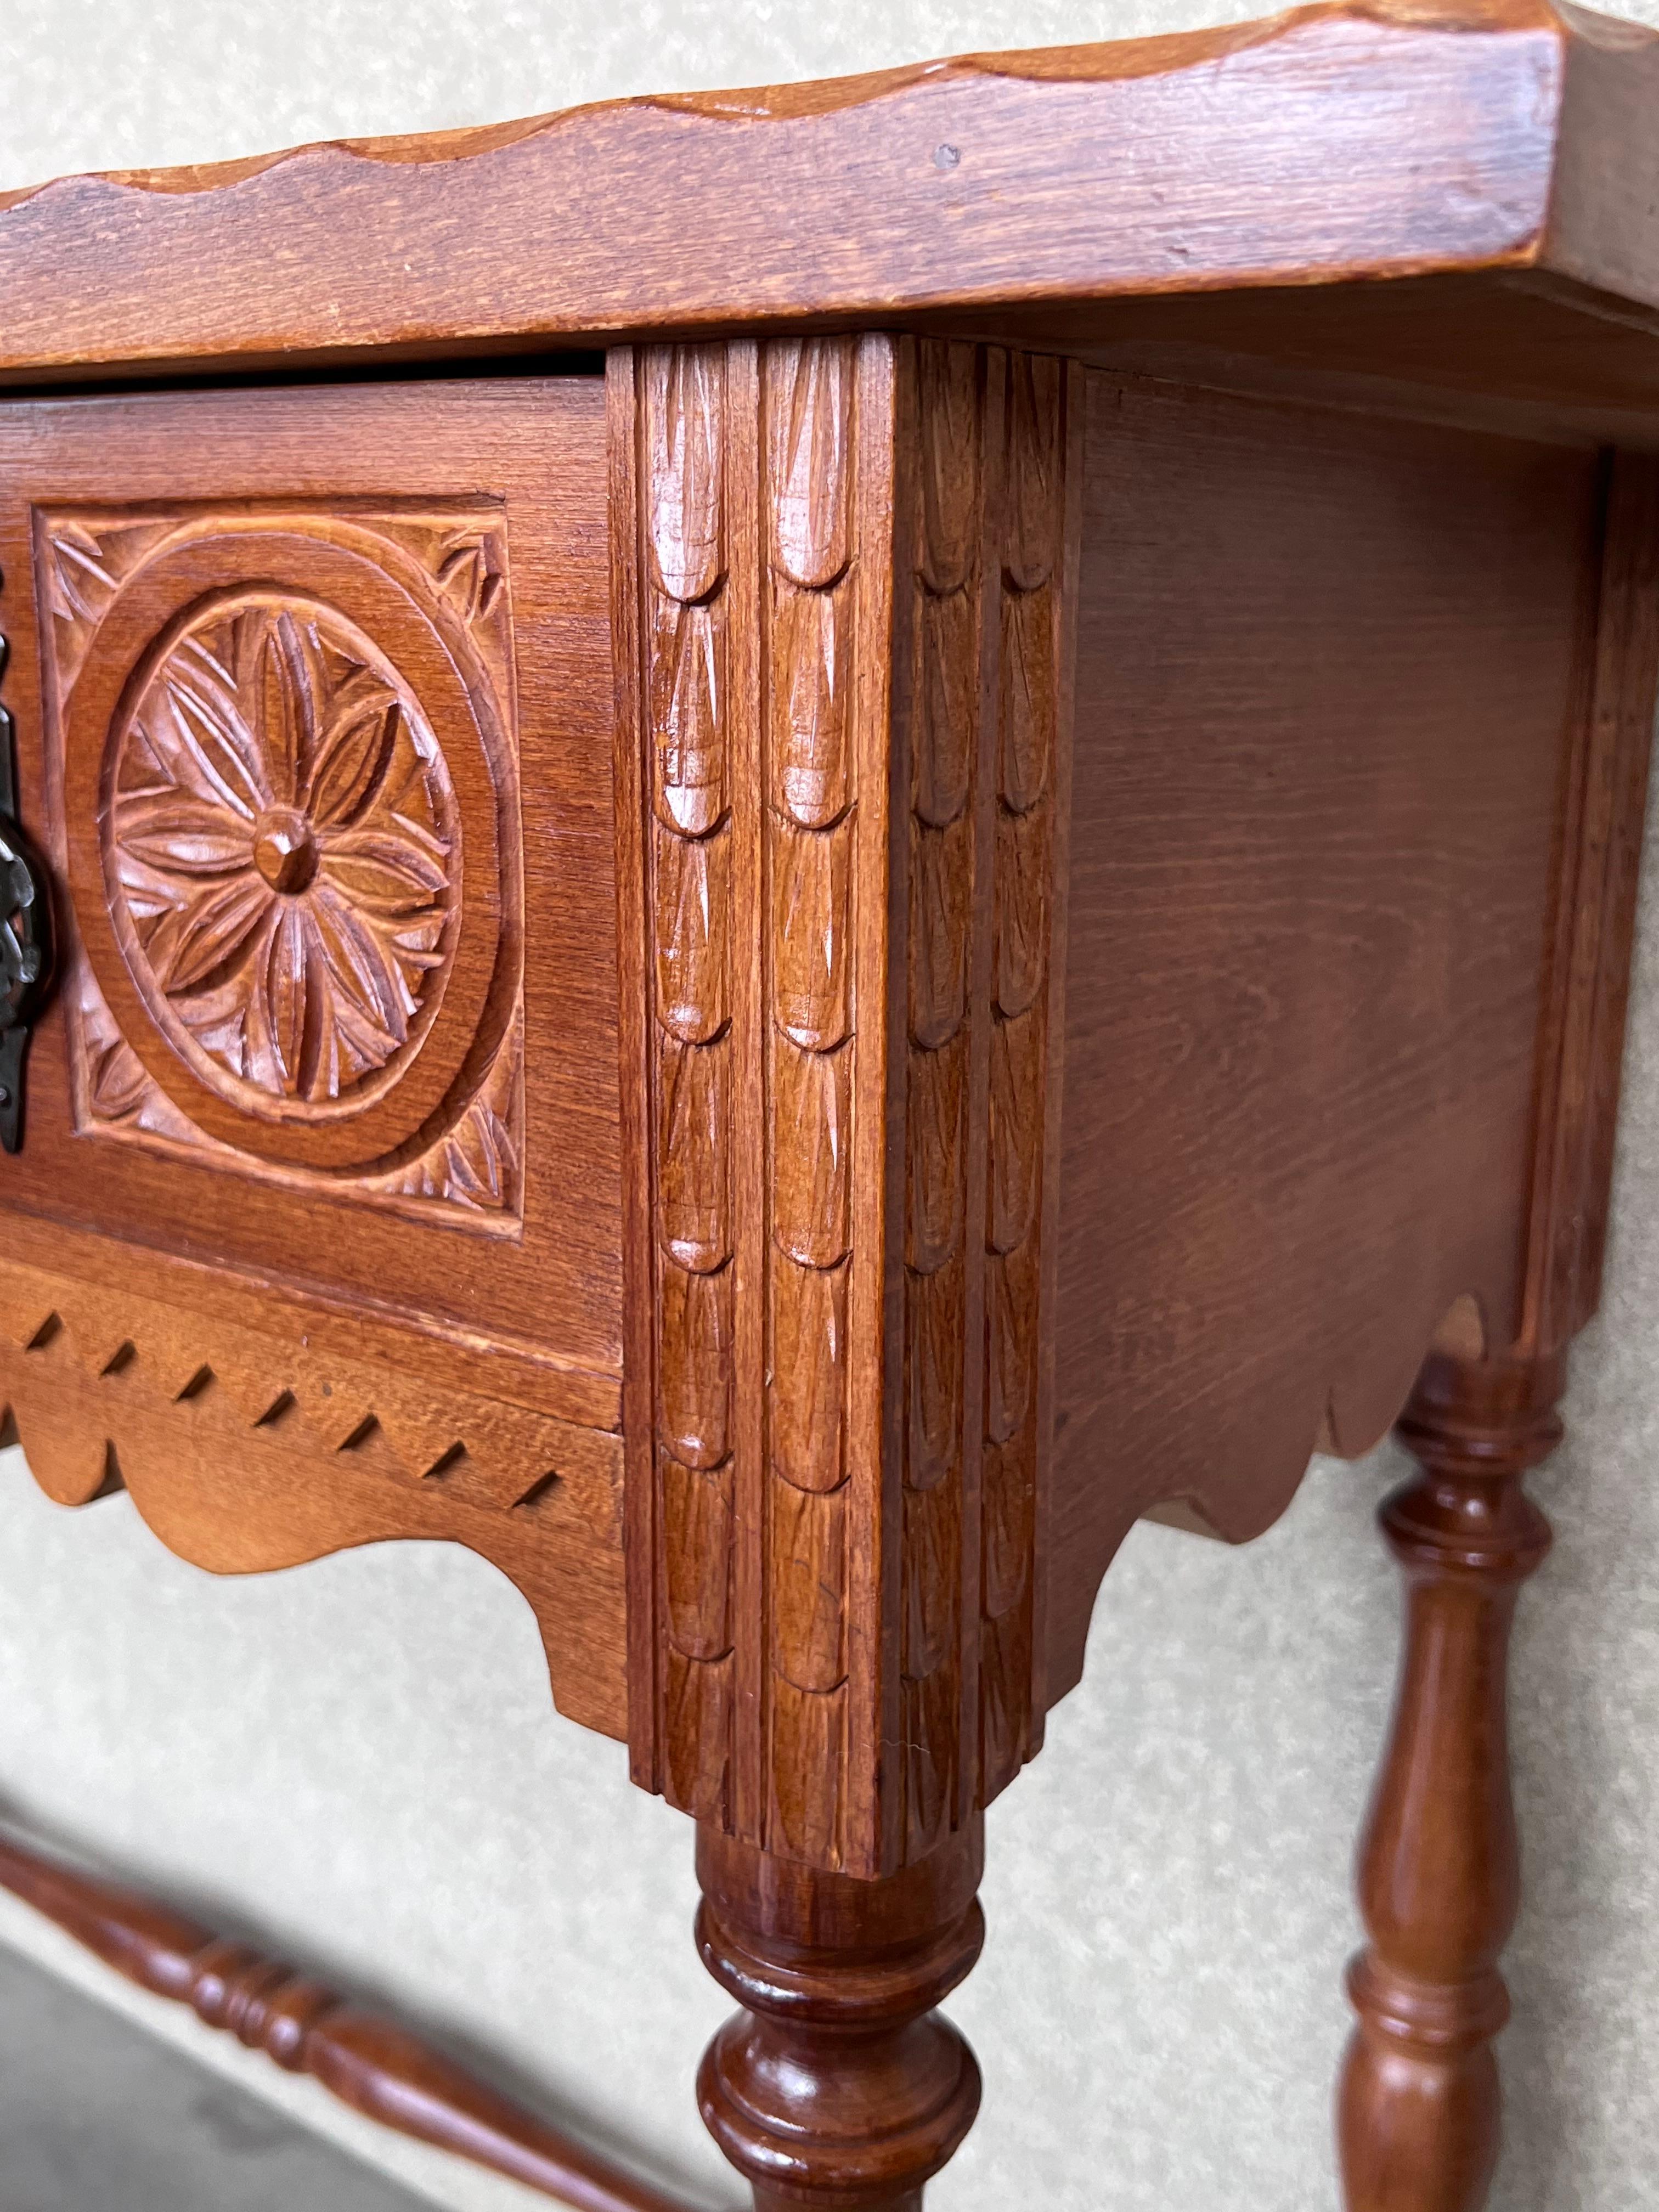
(359, 1758)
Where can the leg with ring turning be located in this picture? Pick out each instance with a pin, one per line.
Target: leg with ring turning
(1439, 1874)
(838, 2088)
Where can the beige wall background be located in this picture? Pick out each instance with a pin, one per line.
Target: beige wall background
(358, 1760)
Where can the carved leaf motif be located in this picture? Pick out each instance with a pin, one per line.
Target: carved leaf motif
(283, 831)
(938, 1154)
(811, 758)
(809, 420)
(949, 396)
(947, 700)
(85, 567)
(693, 1195)
(936, 1327)
(933, 1578)
(688, 695)
(808, 1386)
(692, 897)
(811, 910)
(1005, 1673)
(684, 409)
(931, 1750)
(697, 1733)
(1021, 907)
(206, 932)
(809, 1758)
(1034, 507)
(1028, 703)
(697, 1554)
(941, 899)
(813, 1111)
(807, 1390)
(480, 1161)
(1017, 1093)
(82, 586)
(119, 1082)
(1010, 1506)
(1010, 1300)
(807, 1567)
(695, 1359)
(469, 577)
(186, 836)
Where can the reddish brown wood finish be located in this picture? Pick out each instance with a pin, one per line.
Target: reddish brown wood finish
(838, 2088)
(1439, 1872)
(849, 588)
(370, 2062)
(1327, 669)
(1439, 1867)
(1332, 144)
(457, 531)
(1002, 1123)
(315, 1239)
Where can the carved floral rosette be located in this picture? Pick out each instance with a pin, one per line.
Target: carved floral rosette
(281, 842)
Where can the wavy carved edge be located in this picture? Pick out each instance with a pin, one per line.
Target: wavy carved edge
(243, 1452)
(1581, 1035)
(369, 2062)
(770, 487)
(472, 1175)
(1097, 61)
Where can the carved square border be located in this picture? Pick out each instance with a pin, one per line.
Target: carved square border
(85, 555)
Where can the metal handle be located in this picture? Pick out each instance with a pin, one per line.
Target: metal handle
(26, 939)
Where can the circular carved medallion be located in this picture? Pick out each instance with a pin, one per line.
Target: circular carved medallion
(283, 840)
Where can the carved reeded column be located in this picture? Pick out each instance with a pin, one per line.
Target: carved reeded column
(1439, 1873)
(838, 2085)
(845, 686)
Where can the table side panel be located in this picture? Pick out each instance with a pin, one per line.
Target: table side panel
(1327, 671)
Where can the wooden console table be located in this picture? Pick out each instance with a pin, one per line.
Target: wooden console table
(803, 843)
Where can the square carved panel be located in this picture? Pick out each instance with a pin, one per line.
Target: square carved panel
(283, 738)
(314, 700)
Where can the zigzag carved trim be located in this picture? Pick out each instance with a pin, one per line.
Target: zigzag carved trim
(80, 1364)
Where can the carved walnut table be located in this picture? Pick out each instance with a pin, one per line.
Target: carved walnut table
(801, 844)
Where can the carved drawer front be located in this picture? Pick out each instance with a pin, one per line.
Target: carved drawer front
(313, 696)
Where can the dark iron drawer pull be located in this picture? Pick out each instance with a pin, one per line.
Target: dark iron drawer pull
(26, 939)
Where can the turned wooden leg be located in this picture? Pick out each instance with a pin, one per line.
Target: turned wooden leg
(1439, 1873)
(838, 2086)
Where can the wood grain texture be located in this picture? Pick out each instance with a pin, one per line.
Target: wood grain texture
(1515, 351)
(1334, 142)
(838, 2086)
(245, 1452)
(754, 501)
(846, 853)
(265, 841)
(372, 2064)
(1311, 899)
(458, 533)
(1582, 1040)
(1439, 1871)
(1439, 1867)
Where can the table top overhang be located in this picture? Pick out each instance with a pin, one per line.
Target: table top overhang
(1036, 195)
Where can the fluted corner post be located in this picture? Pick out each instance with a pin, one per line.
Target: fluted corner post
(838, 2088)
(1439, 1869)
(846, 583)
